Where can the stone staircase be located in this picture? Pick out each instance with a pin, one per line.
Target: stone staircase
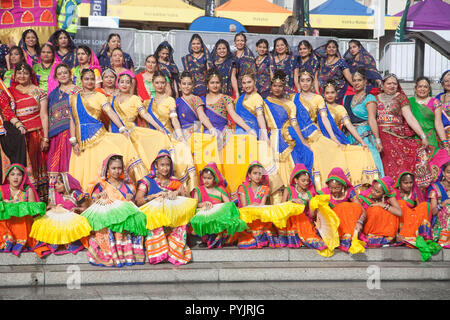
(230, 265)
(408, 88)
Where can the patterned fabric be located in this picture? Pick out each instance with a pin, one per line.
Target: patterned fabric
(333, 72)
(245, 63)
(187, 112)
(288, 65)
(263, 69)
(366, 61)
(312, 64)
(441, 226)
(105, 61)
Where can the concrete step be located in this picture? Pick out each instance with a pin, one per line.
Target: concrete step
(81, 275)
(232, 254)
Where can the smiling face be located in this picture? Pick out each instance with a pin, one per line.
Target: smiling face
(359, 83)
(209, 180)
(248, 84)
(336, 188)
(330, 94)
(88, 81)
(280, 47)
(46, 54)
(159, 83)
(390, 86)
(302, 180)
(222, 50)
(15, 177)
(109, 80)
(30, 39)
(186, 86)
(14, 57)
(331, 49)
(23, 77)
(306, 82)
(304, 51)
(124, 84)
(196, 45)
(422, 89)
(164, 54)
(354, 49)
(239, 42)
(262, 49)
(163, 167)
(63, 75)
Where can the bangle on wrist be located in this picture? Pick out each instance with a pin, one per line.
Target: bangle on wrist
(73, 141)
(123, 129)
(45, 139)
(377, 140)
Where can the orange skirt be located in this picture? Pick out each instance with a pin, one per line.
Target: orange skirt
(380, 228)
(300, 231)
(348, 213)
(258, 235)
(415, 221)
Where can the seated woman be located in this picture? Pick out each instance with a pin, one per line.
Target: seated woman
(90, 139)
(62, 229)
(146, 141)
(15, 224)
(300, 230)
(162, 108)
(254, 191)
(416, 212)
(164, 243)
(438, 195)
(118, 225)
(344, 202)
(217, 217)
(383, 213)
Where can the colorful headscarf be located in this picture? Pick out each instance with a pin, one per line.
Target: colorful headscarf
(416, 192)
(70, 185)
(365, 61)
(339, 175)
(265, 176)
(162, 153)
(24, 185)
(166, 45)
(299, 168)
(387, 184)
(219, 178)
(29, 59)
(52, 81)
(205, 50)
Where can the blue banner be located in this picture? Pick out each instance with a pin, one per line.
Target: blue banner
(98, 8)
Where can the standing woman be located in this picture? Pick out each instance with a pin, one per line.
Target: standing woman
(333, 67)
(226, 65)
(45, 68)
(362, 112)
(264, 68)
(245, 60)
(89, 138)
(163, 110)
(59, 123)
(164, 54)
(104, 56)
(285, 60)
(358, 57)
(144, 80)
(117, 64)
(30, 45)
(32, 111)
(65, 47)
(428, 113)
(306, 60)
(397, 128)
(86, 60)
(16, 56)
(198, 62)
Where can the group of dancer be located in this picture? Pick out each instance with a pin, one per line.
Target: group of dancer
(214, 155)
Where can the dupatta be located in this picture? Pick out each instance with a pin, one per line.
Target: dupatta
(366, 61)
(24, 185)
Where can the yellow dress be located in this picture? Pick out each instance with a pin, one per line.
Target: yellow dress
(148, 142)
(284, 161)
(363, 169)
(265, 153)
(96, 142)
(183, 163)
(327, 154)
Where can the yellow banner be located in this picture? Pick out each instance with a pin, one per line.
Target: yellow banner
(264, 19)
(326, 21)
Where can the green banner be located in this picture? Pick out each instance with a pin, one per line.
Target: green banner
(400, 32)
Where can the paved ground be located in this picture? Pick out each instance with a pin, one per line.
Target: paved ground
(310, 290)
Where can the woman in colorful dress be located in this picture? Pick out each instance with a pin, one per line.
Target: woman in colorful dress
(45, 68)
(428, 113)
(128, 107)
(416, 212)
(226, 65)
(444, 98)
(308, 61)
(105, 246)
(65, 47)
(30, 46)
(364, 171)
(345, 203)
(383, 213)
(358, 57)
(362, 111)
(245, 60)
(198, 62)
(105, 54)
(264, 67)
(62, 229)
(109, 83)
(86, 60)
(310, 107)
(164, 54)
(32, 110)
(162, 109)
(397, 129)
(161, 245)
(117, 64)
(285, 60)
(333, 67)
(60, 148)
(15, 227)
(300, 230)
(90, 139)
(439, 197)
(144, 80)
(16, 56)
(281, 118)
